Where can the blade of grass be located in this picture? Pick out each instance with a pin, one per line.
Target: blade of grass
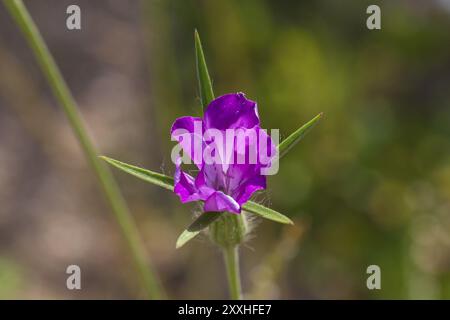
(288, 143)
(107, 183)
(204, 81)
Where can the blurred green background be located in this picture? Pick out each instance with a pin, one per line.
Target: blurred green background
(369, 185)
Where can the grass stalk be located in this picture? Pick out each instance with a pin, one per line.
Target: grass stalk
(24, 21)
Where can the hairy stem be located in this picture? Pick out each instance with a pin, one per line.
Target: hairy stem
(231, 257)
(106, 181)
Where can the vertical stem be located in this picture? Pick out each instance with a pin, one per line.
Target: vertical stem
(228, 231)
(231, 257)
(106, 181)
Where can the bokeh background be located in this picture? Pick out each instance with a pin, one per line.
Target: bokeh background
(369, 185)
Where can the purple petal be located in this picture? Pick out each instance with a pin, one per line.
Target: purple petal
(212, 175)
(185, 186)
(253, 146)
(246, 189)
(202, 183)
(219, 201)
(231, 111)
(266, 148)
(188, 131)
(244, 180)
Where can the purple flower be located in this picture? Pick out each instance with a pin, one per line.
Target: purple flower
(236, 172)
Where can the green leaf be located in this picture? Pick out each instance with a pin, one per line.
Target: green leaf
(196, 227)
(265, 212)
(294, 138)
(204, 81)
(144, 174)
(167, 183)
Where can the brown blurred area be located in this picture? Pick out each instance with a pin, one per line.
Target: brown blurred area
(369, 185)
(53, 214)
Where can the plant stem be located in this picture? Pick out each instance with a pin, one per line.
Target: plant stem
(231, 257)
(106, 181)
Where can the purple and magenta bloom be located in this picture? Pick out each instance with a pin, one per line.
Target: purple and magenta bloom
(226, 184)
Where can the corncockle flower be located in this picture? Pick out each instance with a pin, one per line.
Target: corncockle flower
(233, 155)
(231, 164)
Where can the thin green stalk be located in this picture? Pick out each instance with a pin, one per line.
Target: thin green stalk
(204, 81)
(231, 257)
(106, 181)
